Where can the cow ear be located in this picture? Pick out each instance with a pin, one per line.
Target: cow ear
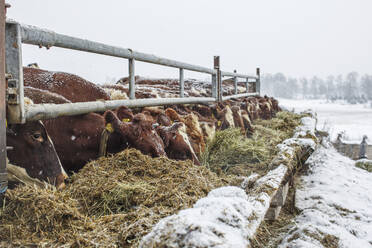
(111, 118)
(124, 112)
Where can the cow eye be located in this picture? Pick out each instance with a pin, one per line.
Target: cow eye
(37, 136)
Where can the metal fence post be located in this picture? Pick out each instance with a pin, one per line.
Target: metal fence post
(3, 174)
(132, 79)
(13, 64)
(235, 84)
(182, 83)
(258, 81)
(214, 85)
(247, 85)
(218, 76)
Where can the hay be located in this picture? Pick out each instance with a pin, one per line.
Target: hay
(284, 122)
(34, 215)
(229, 147)
(111, 202)
(231, 152)
(364, 164)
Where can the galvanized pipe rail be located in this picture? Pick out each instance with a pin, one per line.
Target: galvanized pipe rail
(42, 37)
(19, 33)
(48, 111)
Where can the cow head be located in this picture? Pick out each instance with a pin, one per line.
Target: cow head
(139, 133)
(176, 142)
(163, 120)
(225, 118)
(34, 151)
(237, 116)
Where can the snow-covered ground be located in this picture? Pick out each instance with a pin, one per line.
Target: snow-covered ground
(355, 120)
(335, 202)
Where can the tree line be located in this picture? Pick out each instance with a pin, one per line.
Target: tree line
(353, 88)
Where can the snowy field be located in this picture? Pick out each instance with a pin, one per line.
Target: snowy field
(355, 120)
(335, 201)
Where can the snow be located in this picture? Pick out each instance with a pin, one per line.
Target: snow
(307, 127)
(355, 119)
(227, 217)
(218, 220)
(335, 199)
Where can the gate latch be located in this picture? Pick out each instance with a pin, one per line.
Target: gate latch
(12, 90)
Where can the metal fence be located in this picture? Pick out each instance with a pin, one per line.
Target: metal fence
(17, 112)
(17, 33)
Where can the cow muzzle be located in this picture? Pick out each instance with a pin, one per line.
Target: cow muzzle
(60, 181)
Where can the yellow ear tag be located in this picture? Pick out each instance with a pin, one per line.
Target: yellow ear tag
(219, 123)
(125, 120)
(109, 128)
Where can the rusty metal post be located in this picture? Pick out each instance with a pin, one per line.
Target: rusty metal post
(3, 174)
(132, 80)
(182, 83)
(258, 81)
(219, 81)
(235, 84)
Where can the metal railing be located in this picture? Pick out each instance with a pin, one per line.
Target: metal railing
(17, 33)
(3, 173)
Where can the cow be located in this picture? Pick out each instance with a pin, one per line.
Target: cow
(138, 133)
(70, 86)
(44, 96)
(176, 142)
(193, 130)
(238, 120)
(33, 150)
(247, 123)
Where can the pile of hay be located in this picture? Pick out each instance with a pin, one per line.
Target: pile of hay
(231, 152)
(112, 201)
(364, 164)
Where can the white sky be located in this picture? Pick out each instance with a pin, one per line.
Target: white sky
(296, 37)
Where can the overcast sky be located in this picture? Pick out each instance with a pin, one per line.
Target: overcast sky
(296, 37)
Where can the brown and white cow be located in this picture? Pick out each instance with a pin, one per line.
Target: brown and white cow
(70, 86)
(176, 142)
(33, 150)
(138, 133)
(193, 130)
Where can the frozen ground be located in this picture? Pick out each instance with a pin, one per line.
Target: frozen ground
(355, 120)
(335, 202)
